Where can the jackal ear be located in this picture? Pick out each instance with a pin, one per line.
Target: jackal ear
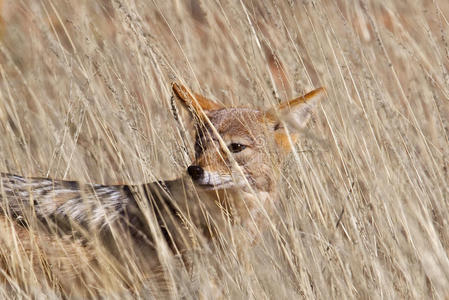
(197, 104)
(294, 114)
(297, 112)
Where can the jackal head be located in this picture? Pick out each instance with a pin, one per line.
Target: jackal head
(236, 148)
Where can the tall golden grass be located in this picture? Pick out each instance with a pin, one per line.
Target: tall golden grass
(85, 95)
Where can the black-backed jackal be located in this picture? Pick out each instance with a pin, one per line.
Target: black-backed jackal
(231, 182)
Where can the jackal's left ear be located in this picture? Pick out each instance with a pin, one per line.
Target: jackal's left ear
(196, 103)
(297, 112)
(293, 114)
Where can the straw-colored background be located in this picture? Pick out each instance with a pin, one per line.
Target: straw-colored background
(85, 95)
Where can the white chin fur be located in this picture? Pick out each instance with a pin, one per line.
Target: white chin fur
(214, 181)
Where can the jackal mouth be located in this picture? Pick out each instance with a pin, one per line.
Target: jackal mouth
(221, 186)
(204, 184)
(214, 181)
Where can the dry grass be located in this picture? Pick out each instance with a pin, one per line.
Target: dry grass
(85, 95)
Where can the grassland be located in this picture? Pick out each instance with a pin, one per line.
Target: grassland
(85, 95)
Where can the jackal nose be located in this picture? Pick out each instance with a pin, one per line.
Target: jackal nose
(195, 172)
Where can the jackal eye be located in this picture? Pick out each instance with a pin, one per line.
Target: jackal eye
(236, 147)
